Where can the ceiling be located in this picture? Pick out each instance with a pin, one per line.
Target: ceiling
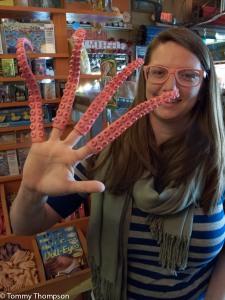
(211, 3)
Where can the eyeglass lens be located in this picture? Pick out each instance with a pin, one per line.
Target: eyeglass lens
(188, 77)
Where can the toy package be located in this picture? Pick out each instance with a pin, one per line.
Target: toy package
(49, 91)
(8, 69)
(61, 252)
(41, 36)
(21, 116)
(108, 71)
(5, 95)
(40, 66)
(7, 138)
(8, 163)
(25, 136)
(22, 153)
(46, 3)
(20, 92)
(62, 86)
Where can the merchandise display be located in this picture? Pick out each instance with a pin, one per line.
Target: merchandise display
(8, 69)
(18, 268)
(40, 66)
(20, 92)
(41, 36)
(7, 138)
(5, 95)
(48, 90)
(8, 163)
(21, 116)
(22, 155)
(61, 249)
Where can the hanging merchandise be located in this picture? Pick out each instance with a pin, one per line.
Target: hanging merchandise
(108, 71)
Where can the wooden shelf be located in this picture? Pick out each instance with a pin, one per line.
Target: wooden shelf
(70, 122)
(40, 13)
(58, 77)
(11, 178)
(15, 146)
(26, 103)
(31, 55)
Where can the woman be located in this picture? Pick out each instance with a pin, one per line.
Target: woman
(165, 171)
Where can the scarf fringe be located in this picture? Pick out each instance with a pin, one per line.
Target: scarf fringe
(173, 250)
(103, 289)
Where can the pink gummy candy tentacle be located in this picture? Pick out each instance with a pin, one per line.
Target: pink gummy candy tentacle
(88, 119)
(37, 127)
(124, 122)
(69, 93)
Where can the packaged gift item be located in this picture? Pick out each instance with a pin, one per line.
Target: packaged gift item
(48, 90)
(40, 66)
(108, 71)
(5, 95)
(61, 252)
(41, 36)
(22, 154)
(8, 69)
(8, 163)
(7, 138)
(46, 3)
(62, 86)
(25, 136)
(20, 92)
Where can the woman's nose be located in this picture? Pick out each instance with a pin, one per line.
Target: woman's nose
(170, 84)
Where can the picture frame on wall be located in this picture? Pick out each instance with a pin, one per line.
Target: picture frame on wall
(142, 6)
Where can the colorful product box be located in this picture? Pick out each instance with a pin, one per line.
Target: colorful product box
(61, 252)
(20, 93)
(49, 92)
(7, 138)
(41, 36)
(22, 154)
(40, 66)
(21, 116)
(5, 95)
(8, 69)
(8, 163)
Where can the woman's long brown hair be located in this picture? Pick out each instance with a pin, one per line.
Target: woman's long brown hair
(201, 143)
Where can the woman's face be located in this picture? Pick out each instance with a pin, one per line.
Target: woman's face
(173, 56)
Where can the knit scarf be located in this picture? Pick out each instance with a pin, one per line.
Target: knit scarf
(170, 216)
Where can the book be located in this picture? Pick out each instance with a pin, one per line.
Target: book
(5, 95)
(61, 252)
(8, 69)
(41, 36)
(22, 154)
(8, 163)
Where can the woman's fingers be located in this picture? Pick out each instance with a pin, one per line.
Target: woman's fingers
(83, 153)
(89, 187)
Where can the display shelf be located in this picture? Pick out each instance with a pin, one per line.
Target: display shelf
(15, 146)
(58, 77)
(33, 55)
(17, 128)
(106, 28)
(10, 178)
(40, 13)
(26, 103)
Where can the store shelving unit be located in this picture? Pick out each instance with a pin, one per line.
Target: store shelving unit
(59, 18)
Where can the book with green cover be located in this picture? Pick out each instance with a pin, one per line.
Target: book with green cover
(8, 67)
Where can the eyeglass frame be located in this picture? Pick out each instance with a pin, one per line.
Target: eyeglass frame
(175, 71)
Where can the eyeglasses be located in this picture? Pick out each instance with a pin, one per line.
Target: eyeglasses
(186, 77)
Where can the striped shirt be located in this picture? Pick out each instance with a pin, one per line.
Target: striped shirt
(147, 280)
